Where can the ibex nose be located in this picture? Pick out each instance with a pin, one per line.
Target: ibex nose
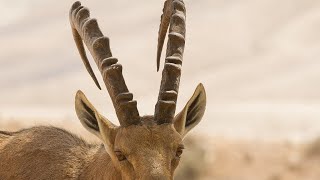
(156, 177)
(157, 169)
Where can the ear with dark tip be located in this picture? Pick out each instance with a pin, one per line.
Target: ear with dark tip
(192, 113)
(93, 121)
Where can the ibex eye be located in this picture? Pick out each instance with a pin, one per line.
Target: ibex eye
(120, 156)
(179, 151)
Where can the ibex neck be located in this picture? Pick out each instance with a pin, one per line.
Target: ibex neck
(99, 166)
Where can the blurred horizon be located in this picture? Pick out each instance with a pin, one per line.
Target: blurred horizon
(259, 62)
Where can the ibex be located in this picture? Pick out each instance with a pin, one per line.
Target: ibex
(142, 147)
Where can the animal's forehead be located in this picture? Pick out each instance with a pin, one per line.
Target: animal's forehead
(147, 135)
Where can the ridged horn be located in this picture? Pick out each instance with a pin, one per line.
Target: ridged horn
(167, 100)
(164, 25)
(86, 29)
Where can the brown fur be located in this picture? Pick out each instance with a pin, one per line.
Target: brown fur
(54, 154)
(150, 150)
(141, 148)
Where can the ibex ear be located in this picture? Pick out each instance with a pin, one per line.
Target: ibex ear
(192, 113)
(93, 121)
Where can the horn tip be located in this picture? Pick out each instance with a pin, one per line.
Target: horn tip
(158, 67)
(97, 84)
(76, 4)
(158, 61)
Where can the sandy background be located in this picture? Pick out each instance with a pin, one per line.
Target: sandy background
(259, 61)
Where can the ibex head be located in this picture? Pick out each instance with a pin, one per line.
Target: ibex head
(147, 147)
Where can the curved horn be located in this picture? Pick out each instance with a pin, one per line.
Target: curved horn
(166, 105)
(82, 51)
(86, 29)
(164, 25)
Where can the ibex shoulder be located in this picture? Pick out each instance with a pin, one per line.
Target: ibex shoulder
(46, 150)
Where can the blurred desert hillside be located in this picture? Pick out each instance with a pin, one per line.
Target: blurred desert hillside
(259, 61)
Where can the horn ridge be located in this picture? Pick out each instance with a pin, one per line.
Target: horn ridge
(169, 88)
(86, 29)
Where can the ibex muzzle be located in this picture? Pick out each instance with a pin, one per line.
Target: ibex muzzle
(142, 147)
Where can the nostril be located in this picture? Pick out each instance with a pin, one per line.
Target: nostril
(162, 178)
(156, 177)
